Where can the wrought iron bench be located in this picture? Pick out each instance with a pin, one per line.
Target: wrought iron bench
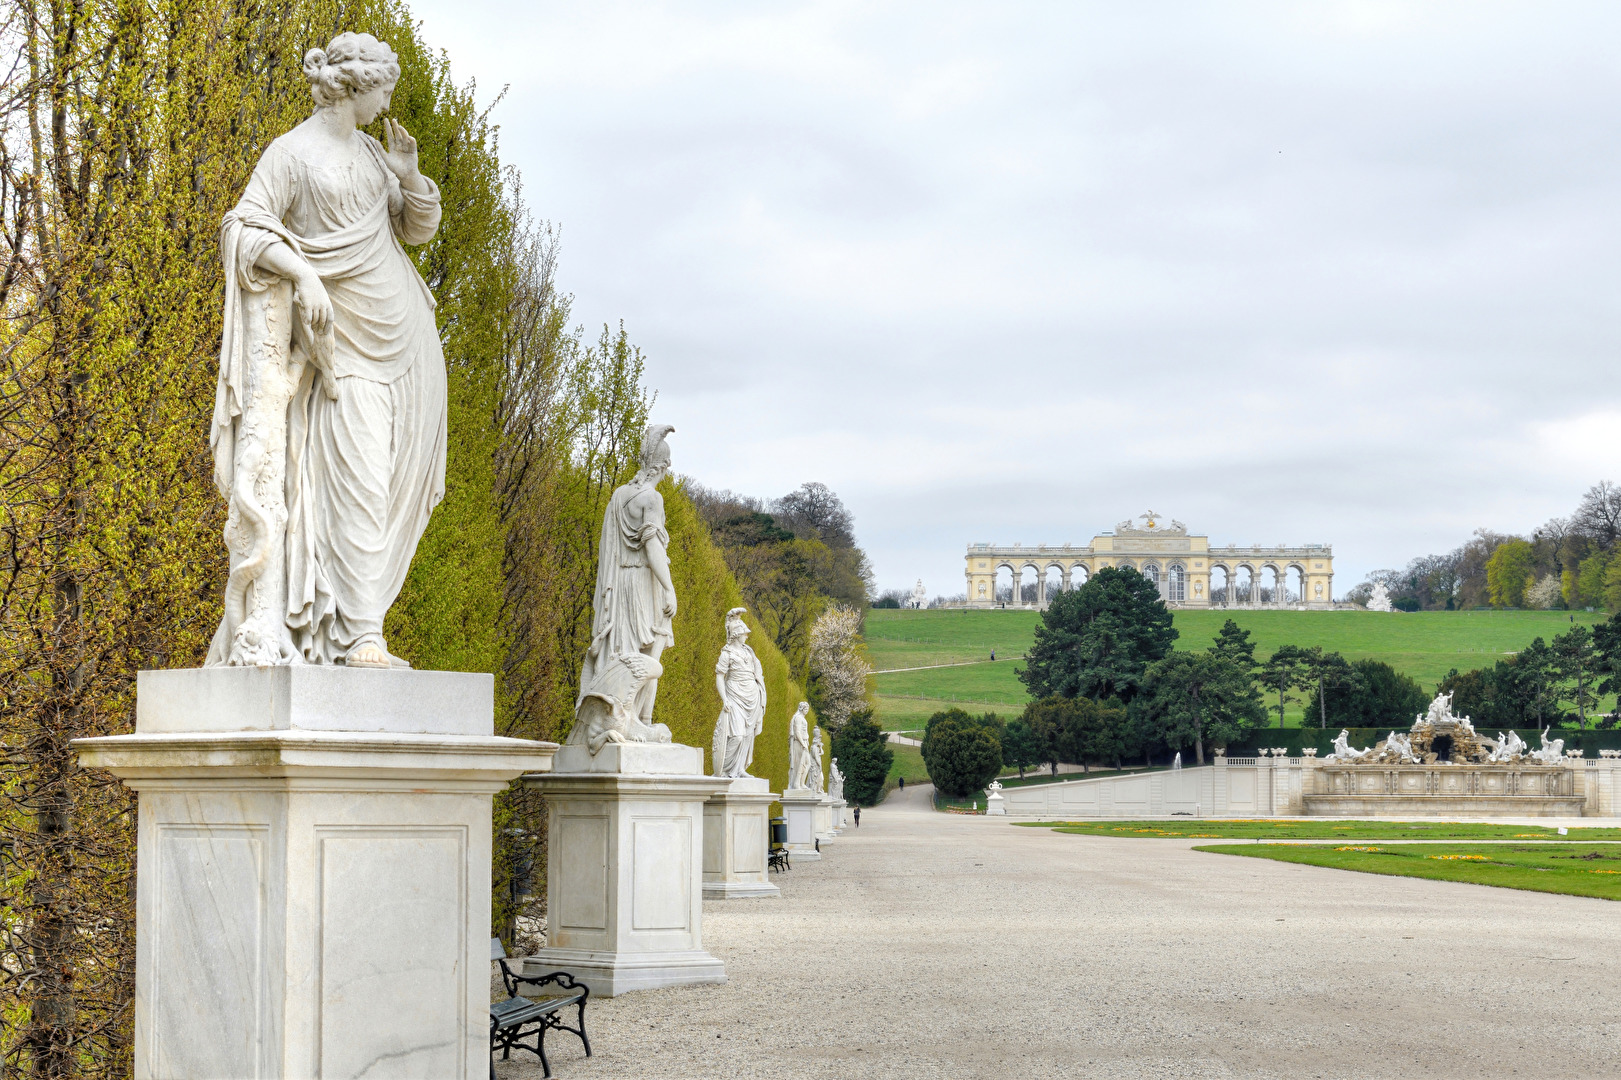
(520, 1017)
(777, 860)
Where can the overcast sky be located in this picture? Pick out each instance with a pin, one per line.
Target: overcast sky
(1291, 273)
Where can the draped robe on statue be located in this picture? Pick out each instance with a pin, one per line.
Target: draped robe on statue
(364, 468)
(628, 604)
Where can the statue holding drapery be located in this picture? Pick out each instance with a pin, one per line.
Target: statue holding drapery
(329, 427)
(740, 681)
(633, 610)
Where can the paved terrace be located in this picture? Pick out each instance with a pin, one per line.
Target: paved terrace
(939, 945)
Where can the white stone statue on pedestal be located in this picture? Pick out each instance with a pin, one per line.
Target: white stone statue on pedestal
(835, 783)
(632, 611)
(920, 595)
(1379, 599)
(816, 753)
(740, 681)
(329, 421)
(799, 750)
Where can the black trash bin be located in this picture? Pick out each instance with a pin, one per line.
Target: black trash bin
(779, 832)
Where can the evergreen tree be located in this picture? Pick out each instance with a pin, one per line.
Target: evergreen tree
(1189, 697)
(1096, 641)
(1574, 662)
(1376, 695)
(1234, 643)
(962, 753)
(1020, 746)
(864, 758)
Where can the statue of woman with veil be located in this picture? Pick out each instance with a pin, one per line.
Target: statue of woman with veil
(329, 424)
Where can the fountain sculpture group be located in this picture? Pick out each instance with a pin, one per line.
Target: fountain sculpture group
(1443, 765)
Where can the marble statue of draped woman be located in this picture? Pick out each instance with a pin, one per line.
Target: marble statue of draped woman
(327, 209)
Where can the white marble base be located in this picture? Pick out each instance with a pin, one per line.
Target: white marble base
(840, 819)
(312, 901)
(799, 811)
(737, 833)
(995, 805)
(624, 867)
(825, 830)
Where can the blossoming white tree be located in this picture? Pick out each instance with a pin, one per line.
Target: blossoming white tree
(837, 667)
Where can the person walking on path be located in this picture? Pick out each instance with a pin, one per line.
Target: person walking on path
(858, 817)
(903, 783)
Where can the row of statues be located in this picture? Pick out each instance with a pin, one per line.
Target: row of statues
(330, 427)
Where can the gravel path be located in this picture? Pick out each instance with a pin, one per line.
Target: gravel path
(949, 946)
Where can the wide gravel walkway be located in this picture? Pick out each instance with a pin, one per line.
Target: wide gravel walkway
(943, 946)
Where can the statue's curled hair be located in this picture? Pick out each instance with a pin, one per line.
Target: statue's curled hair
(351, 64)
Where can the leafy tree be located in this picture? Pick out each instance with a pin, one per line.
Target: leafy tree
(1324, 671)
(1188, 697)
(864, 758)
(1509, 573)
(1607, 661)
(1574, 661)
(1020, 746)
(838, 686)
(1046, 728)
(1377, 696)
(1283, 671)
(1517, 691)
(1096, 731)
(961, 752)
(1590, 578)
(1096, 641)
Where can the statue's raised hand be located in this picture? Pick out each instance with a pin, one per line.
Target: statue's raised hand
(401, 157)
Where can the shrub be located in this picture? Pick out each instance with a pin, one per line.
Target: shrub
(962, 753)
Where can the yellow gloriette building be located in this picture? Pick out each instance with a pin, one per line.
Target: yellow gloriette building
(1189, 572)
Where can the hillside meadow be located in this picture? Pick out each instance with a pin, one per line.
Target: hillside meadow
(1425, 645)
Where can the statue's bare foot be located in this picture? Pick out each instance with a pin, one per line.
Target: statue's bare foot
(370, 654)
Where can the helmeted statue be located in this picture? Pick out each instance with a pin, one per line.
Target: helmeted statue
(799, 749)
(740, 681)
(329, 425)
(632, 610)
(835, 780)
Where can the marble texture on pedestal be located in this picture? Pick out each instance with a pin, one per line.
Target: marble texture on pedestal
(312, 901)
(737, 830)
(624, 867)
(799, 809)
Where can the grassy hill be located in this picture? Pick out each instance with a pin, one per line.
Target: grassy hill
(1425, 645)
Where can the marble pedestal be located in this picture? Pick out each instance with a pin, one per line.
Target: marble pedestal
(823, 819)
(313, 882)
(995, 805)
(737, 830)
(838, 808)
(799, 811)
(624, 867)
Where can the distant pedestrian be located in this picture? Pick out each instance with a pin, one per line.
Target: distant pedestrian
(858, 817)
(993, 654)
(903, 783)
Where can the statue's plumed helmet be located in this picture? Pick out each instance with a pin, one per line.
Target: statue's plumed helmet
(735, 623)
(655, 451)
(350, 64)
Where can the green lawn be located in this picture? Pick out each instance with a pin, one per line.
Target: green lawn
(1575, 869)
(1325, 829)
(1425, 645)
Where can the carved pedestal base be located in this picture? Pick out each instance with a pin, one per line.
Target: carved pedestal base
(799, 809)
(624, 867)
(313, 892)
(737, 833)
